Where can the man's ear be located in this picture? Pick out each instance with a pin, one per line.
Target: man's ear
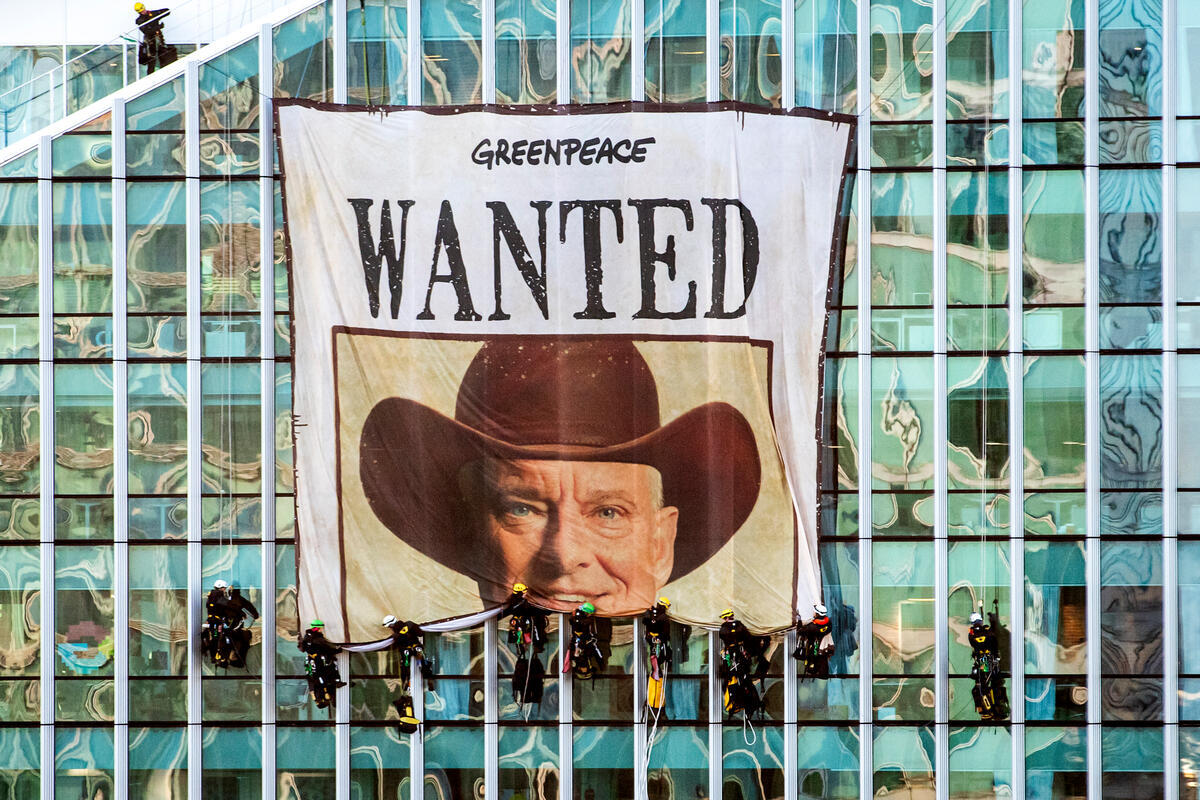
(664, 544)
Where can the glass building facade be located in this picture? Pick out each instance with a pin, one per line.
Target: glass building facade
(1021, 284)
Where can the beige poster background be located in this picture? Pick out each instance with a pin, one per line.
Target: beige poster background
(371, 368)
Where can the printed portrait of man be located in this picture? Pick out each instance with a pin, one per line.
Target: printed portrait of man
(558, 471)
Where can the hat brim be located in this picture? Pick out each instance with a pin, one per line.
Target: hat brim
(411, 459)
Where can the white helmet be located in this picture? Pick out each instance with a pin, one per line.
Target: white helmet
(820, 609)
(220, 585)
(976, 617)
(389, 621)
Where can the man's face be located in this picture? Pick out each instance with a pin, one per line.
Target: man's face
(577, 531)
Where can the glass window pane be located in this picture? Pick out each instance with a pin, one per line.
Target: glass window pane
(1131, 422)
(1054, 422)
(1054, 236)
(1131, 611)
(902, 458)
(675, 52)
(600, 50)
(379, 762)
(83, 762)
(156, 261)
(158, 763)
(82, 248)
(902, 613)
(1053, 58)
(157, 610)
(232, 422)
(980, 762)
(451, 49)
(1055, 617)
(1056, 763)
(903, 759)
(19, 243)
(377, 52)
(233, 762)
(20, 431)
(901, 59)
(826, 42)
(526, 54)
(751, 37)
(302, 49)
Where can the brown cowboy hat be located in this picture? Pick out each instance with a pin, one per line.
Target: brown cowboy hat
(566, 398)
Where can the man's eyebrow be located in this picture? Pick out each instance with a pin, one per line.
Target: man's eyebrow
(519, 490)
(601, 496)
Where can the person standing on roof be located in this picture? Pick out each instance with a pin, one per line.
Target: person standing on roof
(153, 52)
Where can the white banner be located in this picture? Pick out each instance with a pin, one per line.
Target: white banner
(577, 351)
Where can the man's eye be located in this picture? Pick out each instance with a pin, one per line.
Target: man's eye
(518, 510)
(609, 513)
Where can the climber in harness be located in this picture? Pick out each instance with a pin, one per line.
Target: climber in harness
(320, 665)
(585, 657)
(657, 633)
(991, 698)
(816, 644)
(527, 632)
(409, 640)
(153, 52)
(225, 638)
(743, 664)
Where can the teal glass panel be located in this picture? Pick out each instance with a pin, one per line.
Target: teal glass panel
(158, 763)
(1131, 57)
(977, 450)
(158, 700)
(157, 610)
(239, 565)
(1131, 327)
(1131, 422)
(82, 248)
(20, 607)
(304, 763)
(157, 249)
(232, 759)
(237, 336)
(1189, 606)
(750, 68)
(977, 240)
(902, 611)
(20, 763)
(82, 155)
(154, 132)
(159, 109)
(19, 243)
(1054, 328)
(226, 517)
(1053, 142)
(977, 70)
(454, 762)
(526, 55)
(451, 50)
(157, 518)
(1053, 58)
(839, 439)
(828, 762)
(93, 73)
(675, 52)
(1056, 763)
(1131, 609)
(1132, 760)
(83, 433)
(903, 406)
(905, 144)
(302, 49)
(752, 763)
(282, 290)
(1187, 244)
(901, 60)
(1054, 236)
(230, 257)
(977, 144)
(978, 574)
(1055, 513)
(677, 759)
(285, 475)
(1054, 422)
(840, 579)
(377, 52)
(288, 659)
(22, 166)
(604, 762)
(1055, 616)
(83, 762)
(20, 432)
(528, 761)
(157, 428)
(901, 239)
(902, 513)
(1130, 236)
(83, 337)
(980, 762)
(903, 760)
(601, 57)
(229, 86)
(83, 609)
(902, 329)
(1137, 141)
(826, 42)
(1062, 699)
(379, 762)
(231, 428)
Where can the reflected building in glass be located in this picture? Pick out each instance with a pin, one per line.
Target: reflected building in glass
(1012, 416)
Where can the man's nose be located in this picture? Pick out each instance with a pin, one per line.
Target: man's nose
(566, 546)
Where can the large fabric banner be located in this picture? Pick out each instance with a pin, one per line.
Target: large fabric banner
(578, 351)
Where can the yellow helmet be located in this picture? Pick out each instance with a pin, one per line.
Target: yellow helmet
(519, 587)
(727, 614)
(662, 601)
(139, 7)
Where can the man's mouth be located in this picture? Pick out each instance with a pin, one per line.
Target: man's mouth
(564, 601)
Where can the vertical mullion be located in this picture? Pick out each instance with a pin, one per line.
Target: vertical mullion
(641, 766)
(488, 39)
(266, 254)
(712, 52)
(1170, 412)
(491, 713)
(866, 769)
(638, 60)
(566, 741)
(340, 45)
(562, 52)
(120, 461)
(195, 589)
(415, 59)
(941, 590)
(1016, 395)
(716, 716)
(787, 54)
(1092, 371)
(790, 718)
(46, 456)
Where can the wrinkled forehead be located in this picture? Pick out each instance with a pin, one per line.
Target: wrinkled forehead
(552, 476)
